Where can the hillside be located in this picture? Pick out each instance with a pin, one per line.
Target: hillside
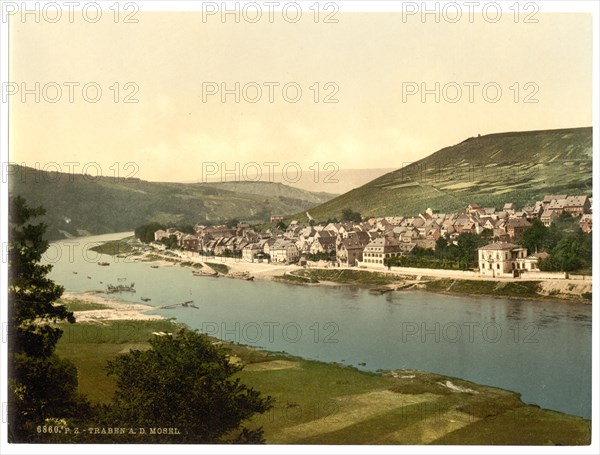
(81, 205)
(518, 167)
(272, 190)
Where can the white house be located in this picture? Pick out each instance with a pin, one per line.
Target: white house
(284, 251)
(251, 251)
(502, 259)
(159, 235)
(380, 250)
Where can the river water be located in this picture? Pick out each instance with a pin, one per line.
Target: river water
(541, 349)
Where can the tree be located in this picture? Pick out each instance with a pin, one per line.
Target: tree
(170, 242)
(466, 252)
(281, 225)
(184, 382)
(146, 232)
(350, 215)
(321, 256)
(572, 252)
(441, 246)
(232, 223)
(187, 229)
(40, 385)
(536, 237)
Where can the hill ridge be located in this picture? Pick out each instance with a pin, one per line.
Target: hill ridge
(77, 204)
(518, 167)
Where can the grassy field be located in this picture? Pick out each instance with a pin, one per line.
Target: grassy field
(292, 278)
(91, 345)
(346, 276)
(81, 305)
(318, 403)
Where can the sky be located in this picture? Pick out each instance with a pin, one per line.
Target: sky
(374, 65)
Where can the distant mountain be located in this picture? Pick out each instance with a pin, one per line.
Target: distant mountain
(81, 205)
(329, 178)
(518, 167)
(272, 189)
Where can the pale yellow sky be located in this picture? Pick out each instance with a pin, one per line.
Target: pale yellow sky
(170, 132)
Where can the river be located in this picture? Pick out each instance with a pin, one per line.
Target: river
(541, 349)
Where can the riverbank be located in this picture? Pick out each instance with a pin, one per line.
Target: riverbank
(569, 290)
(320, 403)
(101, 309)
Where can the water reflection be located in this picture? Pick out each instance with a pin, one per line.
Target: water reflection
(541, 349)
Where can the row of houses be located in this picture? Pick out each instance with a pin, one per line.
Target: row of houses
(373, 241)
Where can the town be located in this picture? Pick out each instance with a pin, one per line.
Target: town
(383, 241)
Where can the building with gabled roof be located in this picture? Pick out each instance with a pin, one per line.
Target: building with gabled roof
(499, 259)
(516, 227)
(349, 250)
(378, 251)
(577, 205)
(284, 251)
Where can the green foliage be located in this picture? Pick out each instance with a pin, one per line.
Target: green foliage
(459, 256)
(422, 252)
(569, 247)
(320, 256)
(145, 232)
(572, 252)
(281, 225)
(183, 382)
(82, 305)
(113, 247)
(537, 237)
(350, 215)
(195, 265)
(42, 388)
(170, 242)
(221, 268)
(441, 245)
(349, 276)
(40, 384)
(466, 251)
(295, 278)
(424, 262)
(121, 205)
(227, 253)
(232, 223)
(31, 294)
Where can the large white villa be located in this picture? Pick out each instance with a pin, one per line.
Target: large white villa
(502, 259)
